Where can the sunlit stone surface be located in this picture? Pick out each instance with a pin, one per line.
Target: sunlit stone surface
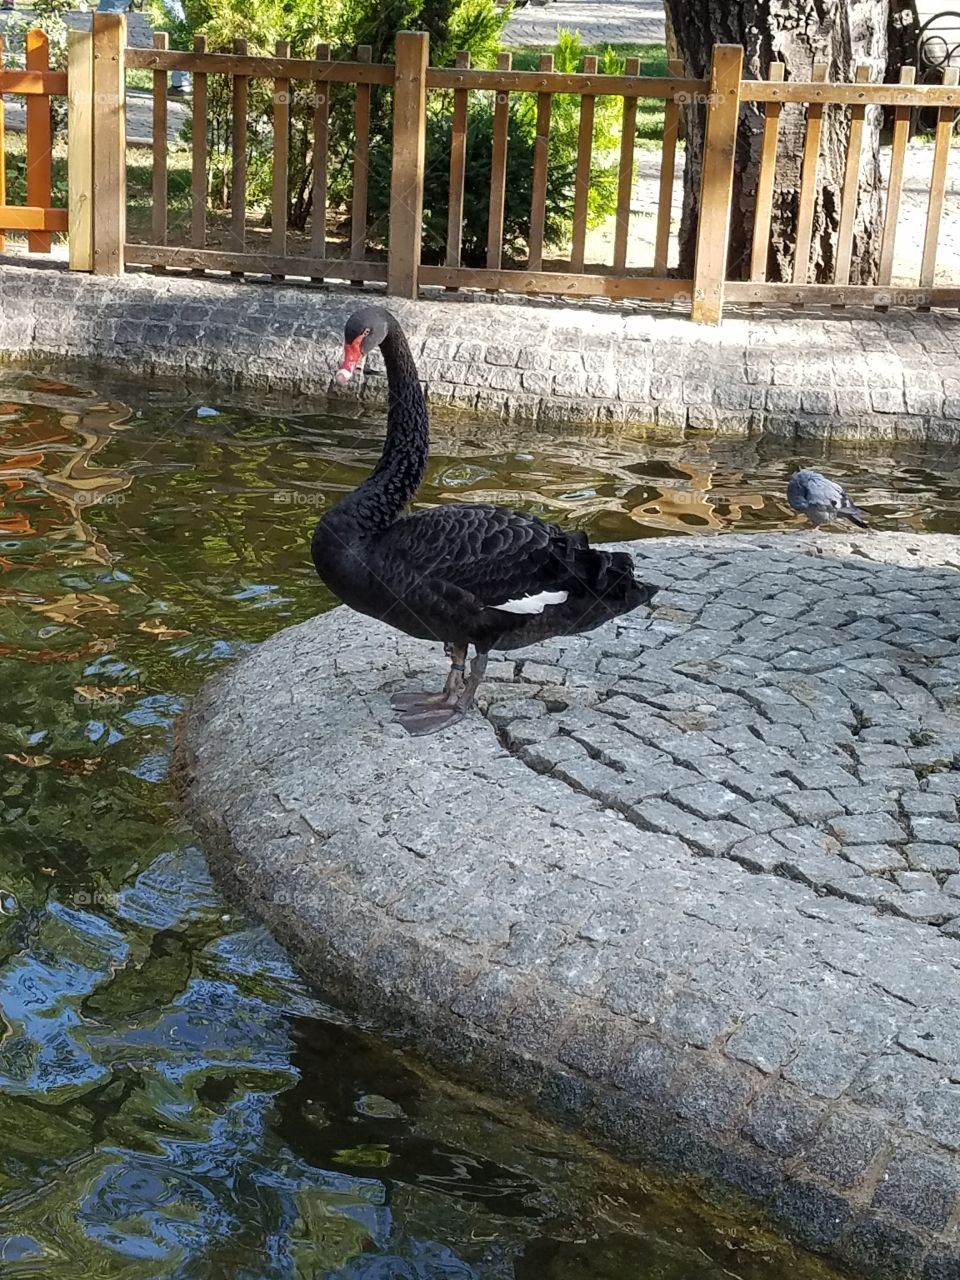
(690, 883)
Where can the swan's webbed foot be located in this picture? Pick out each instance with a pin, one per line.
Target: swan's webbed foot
(436, 704)
(423, 701)
(418, 723)
(428, 713)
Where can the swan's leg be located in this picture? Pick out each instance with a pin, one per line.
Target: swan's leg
(430, 720)
(451, 690)
(478, 668)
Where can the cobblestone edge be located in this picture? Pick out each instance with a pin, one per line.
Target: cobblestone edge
(843, 375)
(319, 842)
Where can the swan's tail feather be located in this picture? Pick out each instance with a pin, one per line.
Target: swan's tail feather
(609, 577)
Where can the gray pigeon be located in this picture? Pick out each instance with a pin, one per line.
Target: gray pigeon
(820, 500)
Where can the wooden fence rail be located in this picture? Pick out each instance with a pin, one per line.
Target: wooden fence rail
(395, 254)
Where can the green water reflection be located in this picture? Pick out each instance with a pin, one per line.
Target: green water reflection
(172, 1102)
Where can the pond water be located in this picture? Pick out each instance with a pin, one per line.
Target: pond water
(173, 1103)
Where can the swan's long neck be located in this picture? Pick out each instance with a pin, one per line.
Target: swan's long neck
(396, 478)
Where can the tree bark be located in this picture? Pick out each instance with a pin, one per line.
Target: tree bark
(841, 33)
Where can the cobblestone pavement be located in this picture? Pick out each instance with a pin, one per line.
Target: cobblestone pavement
(598, 21)
(139, 117)
(692, 886)
(846, 375)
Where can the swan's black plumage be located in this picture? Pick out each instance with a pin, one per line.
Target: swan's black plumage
(440, 574)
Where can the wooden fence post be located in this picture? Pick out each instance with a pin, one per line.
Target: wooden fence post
(716, 183)
(109, 143)
(39, 141)
(3, 159)
(409, 152)
(80, 148)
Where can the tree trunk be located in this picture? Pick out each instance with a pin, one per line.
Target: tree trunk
(841, 33)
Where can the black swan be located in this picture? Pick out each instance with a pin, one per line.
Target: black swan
(459, 574)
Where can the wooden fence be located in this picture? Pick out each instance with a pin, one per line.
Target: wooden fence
(37, 83)
(98, 61)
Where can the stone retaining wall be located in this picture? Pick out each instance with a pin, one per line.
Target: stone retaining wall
(847, 375)
(691, 884)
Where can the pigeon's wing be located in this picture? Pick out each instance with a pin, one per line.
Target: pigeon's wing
(811, 489)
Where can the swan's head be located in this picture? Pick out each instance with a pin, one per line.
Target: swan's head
(365, 330)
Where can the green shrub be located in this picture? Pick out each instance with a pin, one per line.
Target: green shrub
(474, 25)
(561, 167)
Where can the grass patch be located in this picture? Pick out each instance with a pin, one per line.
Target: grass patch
(140, 194)
(653, 57)
(653, 62)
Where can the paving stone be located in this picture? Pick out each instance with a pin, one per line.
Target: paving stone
(810, 806)
(894, 1081)
(861, 799)
(766, 1040)
(929, 908)
(864, 829)
(813, 1215)
(649, 1070)
(916, 881)
(757, 853)
(882, 1247)
(716, 837)
(874, 858)
(935, 1036)
(713, 1094)
(940, 1264)
(933, 857)
(930, 803)
(706, 800)
(759, 816)
(819, 777)
(930, 830)
(920, 1188)
(692, 1019)
(782, 1120)
(937, 1114)
(846, 1146)
(825, 1065)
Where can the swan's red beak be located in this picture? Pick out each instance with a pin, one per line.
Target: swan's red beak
(352, 355)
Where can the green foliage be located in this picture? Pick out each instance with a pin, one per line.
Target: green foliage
(474, 25)
(653, 62)
(561, 166)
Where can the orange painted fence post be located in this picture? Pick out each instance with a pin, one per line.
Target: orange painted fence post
(109, 143)
(3, 161)
(39, 141)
